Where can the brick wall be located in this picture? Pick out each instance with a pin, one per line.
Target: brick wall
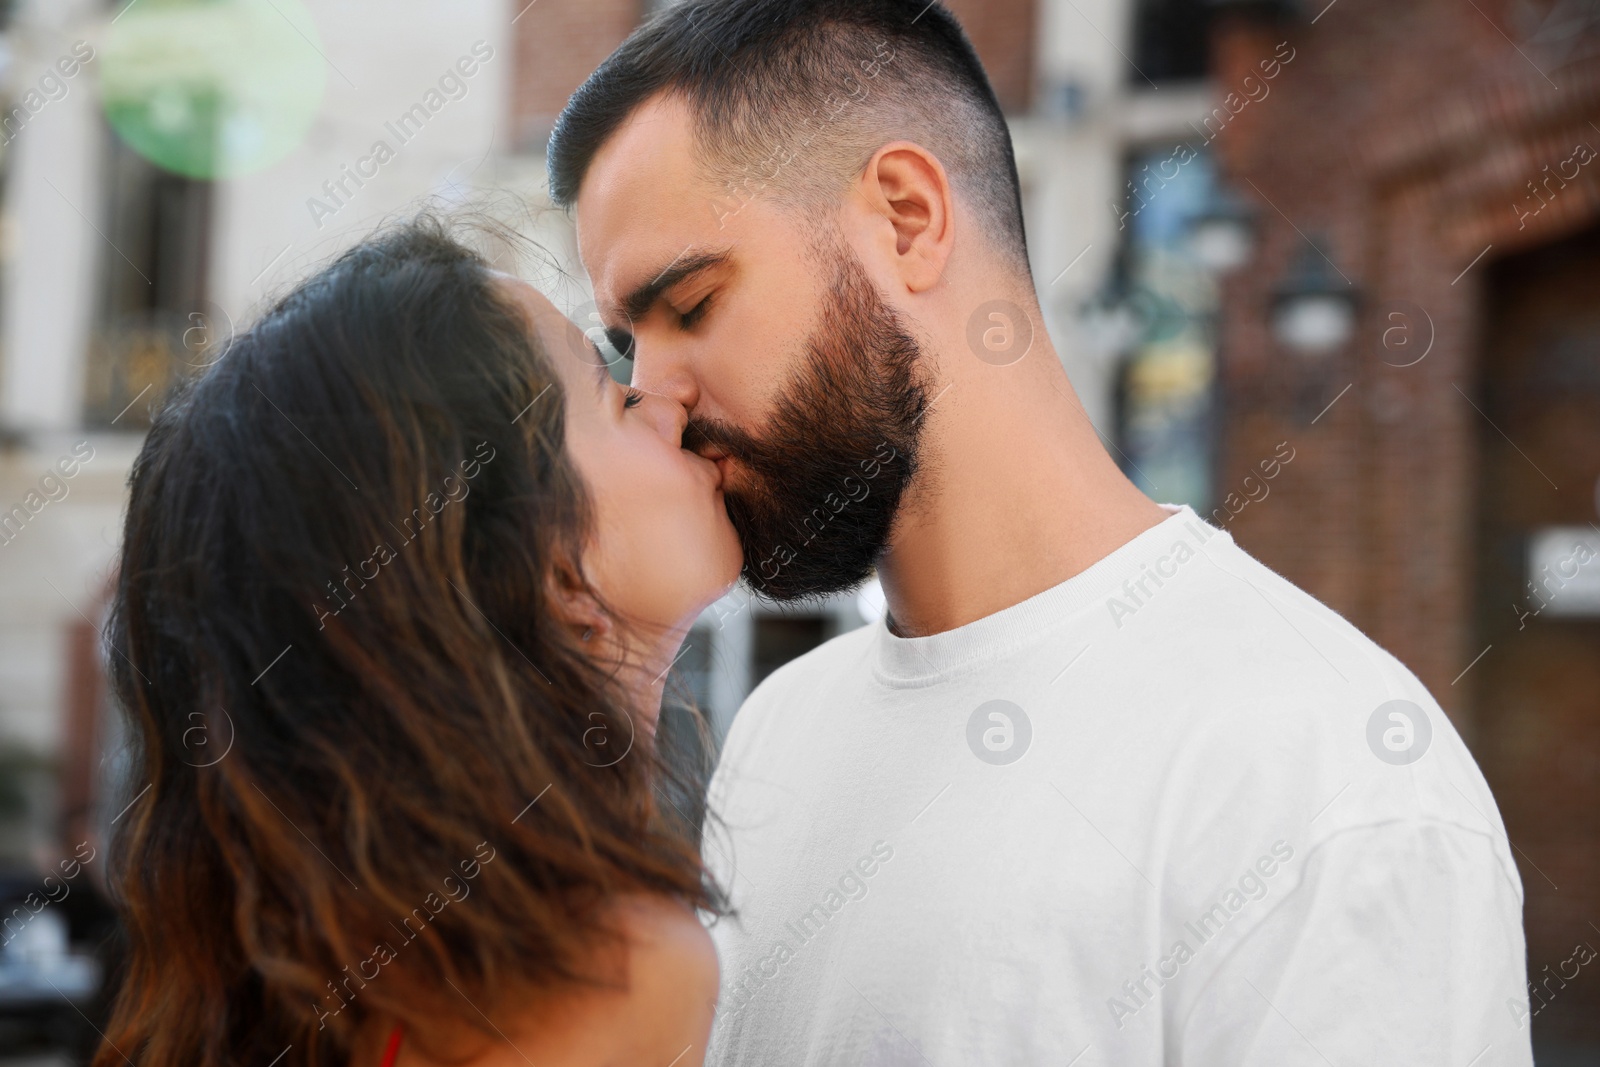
(1407, 134)
(1005, 33)
(1404, 133)
(558, 42)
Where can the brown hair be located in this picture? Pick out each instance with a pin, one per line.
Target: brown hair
(377, 762)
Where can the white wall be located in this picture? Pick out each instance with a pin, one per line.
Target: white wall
(392, 53)
(53, 572)
(54, 206)
(51, 250)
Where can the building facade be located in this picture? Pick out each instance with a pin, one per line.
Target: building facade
(126, 250)
(1446, 491)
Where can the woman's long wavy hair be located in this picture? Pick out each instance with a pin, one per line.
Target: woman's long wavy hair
(378, 764)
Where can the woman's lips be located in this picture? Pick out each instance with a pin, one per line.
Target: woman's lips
(715, 465)
(721, 461)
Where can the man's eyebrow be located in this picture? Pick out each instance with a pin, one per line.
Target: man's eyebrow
(638, 303)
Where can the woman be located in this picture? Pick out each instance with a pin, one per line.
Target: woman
(401, 579)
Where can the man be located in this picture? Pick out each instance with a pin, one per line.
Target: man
(1102, 788)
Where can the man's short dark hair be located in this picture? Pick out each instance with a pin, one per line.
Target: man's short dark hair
(792, 97)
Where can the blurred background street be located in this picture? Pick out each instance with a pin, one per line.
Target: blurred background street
(1328, 272)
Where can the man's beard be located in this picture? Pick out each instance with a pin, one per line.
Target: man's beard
(818, 491)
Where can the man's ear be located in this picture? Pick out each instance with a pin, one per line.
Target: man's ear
(908, 188)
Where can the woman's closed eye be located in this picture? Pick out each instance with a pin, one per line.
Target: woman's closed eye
(631, 398)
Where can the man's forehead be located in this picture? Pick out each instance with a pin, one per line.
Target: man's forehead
(643, 200)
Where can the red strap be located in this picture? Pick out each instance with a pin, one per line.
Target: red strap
(391, 1052)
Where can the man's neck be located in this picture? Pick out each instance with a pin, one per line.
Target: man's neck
(1016, 495)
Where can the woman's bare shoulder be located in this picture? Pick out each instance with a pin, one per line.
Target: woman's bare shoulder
(659, 1009)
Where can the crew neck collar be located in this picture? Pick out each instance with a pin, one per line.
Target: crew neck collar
(916, 661)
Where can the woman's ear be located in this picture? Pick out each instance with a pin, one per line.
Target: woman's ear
(573, 601)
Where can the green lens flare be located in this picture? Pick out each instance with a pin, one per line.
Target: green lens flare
(212, 88)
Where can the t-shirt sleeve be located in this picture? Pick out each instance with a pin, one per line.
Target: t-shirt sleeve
(1402, 944)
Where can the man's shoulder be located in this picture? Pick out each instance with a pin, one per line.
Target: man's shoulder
(835, 661)
(1239, 596)
(1273, 694)
(1243, 641)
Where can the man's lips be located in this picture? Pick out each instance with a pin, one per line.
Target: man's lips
(720, 460)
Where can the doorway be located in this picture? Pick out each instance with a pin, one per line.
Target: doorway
(1537, 688)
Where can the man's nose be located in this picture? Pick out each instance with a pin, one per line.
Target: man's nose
(667, 417)
(660, 369)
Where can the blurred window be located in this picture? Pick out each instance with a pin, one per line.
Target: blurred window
(692, 670)
(1163, 394)
(1171, 40)
(780, 639)
(153, 321)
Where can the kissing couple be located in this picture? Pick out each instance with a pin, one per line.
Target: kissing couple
(1100, 788)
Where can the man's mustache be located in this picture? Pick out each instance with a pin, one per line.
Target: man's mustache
(702, 435)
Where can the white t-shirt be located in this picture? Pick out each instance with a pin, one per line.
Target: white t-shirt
(1162, 813)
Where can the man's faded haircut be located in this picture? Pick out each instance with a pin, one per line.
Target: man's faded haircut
(791, 98)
